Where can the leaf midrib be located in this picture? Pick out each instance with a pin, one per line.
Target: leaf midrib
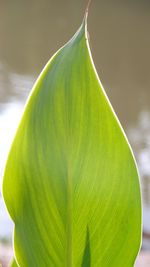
(69, 219)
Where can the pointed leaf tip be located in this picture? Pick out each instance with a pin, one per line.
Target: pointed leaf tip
(85, 17)
(84, 24)
(88, 6)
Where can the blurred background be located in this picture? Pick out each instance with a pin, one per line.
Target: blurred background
(32, 30)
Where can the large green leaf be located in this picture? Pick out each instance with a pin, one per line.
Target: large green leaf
(71, 184)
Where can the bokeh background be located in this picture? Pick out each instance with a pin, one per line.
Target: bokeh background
(32, 30)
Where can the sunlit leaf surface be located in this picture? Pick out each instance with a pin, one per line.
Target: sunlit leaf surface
(71, 184)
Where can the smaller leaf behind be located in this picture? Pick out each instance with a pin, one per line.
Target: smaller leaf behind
(87, 253)
(13, 263)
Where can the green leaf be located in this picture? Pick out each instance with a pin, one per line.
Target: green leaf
(71, 184)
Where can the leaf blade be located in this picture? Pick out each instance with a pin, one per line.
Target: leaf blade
(71, 169)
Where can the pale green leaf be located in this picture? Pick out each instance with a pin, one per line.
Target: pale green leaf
(71, 184)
